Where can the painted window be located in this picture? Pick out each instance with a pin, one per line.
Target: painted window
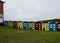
(26, 23)
(39, 23)
(0, 15)
(50, 25)
(54, 29)
(36, 24)
(58, 25)
(39, 26)
(54, 25)
(1, 20)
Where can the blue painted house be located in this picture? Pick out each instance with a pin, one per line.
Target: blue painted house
(26, 25)
(52, 26)
(5, 23)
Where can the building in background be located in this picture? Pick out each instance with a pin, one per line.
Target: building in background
(1, 12)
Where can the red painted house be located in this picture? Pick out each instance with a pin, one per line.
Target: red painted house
(38, 25)
(58, 26)
(15, 24)
(1, 12)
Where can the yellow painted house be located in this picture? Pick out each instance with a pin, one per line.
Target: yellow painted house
(45, 26)
(20, 24)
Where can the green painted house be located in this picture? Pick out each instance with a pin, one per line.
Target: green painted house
(10, 23)
(31, 25)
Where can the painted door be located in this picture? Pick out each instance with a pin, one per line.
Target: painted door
(45, 26)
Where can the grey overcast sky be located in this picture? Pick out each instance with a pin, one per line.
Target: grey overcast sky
(31, 10)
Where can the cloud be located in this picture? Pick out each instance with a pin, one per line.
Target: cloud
(31, 9)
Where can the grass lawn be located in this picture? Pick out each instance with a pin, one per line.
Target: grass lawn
(12, 35)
